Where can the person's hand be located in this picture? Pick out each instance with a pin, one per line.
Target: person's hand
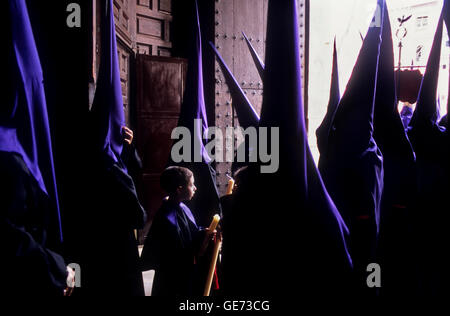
(70, 282)
(127, 135)
(209, 237)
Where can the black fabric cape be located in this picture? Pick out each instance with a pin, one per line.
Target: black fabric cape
(286, 214)
(430, 142)
(108, 222)
(26, 261)
(352, 164)
(399, 192)
(171, 253)
(109, 256)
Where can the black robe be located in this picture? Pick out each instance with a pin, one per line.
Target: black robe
(110, 256)
(170, 249)
(432, 215)
(27, 264)
(431, 145)
(132, 161)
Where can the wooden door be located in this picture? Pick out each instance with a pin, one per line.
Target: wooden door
(153, 19)
(160, 86)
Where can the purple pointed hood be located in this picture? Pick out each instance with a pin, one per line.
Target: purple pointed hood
(426, 111)
(24, 125)
(354, 117)
(323, 132)
(206, 201)
(193, 107)
(352, 166)
(389, 132)
(427, 136)
(283, 108)
(246, 114)
(107, 111)
(293, 193)
(256, 59)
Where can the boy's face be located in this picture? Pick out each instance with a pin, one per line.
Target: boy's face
(187, 192)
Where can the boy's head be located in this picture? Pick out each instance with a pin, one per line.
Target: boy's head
(178, 182)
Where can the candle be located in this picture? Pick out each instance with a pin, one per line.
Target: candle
(230, 187)
(214, 223)
(211, 229)
(212, 266)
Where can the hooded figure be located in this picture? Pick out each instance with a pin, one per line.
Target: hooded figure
(110, 255)
(399, 176)
(30, 221)
(430, 142)
(248, 118)
(288, 210)
(193, 118)
(352, 166)
(323, 131)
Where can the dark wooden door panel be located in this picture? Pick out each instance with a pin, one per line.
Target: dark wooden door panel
(160, 87)
(124, 14)
(153, 19)
(154, 135)
(160, 78)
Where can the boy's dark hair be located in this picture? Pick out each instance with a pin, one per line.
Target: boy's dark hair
(174, 177)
